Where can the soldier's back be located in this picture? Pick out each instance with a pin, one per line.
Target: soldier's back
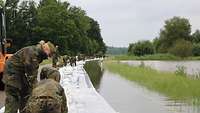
(47, 97)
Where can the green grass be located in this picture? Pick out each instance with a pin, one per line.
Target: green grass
(153, 57)
(169, 84)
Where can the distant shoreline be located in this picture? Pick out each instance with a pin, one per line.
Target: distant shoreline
(164, 57)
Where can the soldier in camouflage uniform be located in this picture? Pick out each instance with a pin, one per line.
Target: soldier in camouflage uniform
(55, 58)
(73, 61)
(48, 95)
(65, 60)
(20, 74)
(49, 72)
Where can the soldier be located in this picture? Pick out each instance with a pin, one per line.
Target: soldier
(65, 60)
(48, 95)
(49, 72)
(55, 58)
(81, 57)
(20, 74)
(73, 61)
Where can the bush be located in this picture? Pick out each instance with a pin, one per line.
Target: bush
(181, 48)
(141, 48)
(196, 49)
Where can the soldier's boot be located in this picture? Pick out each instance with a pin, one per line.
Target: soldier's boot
(12, 99)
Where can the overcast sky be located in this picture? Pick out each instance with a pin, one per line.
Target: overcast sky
(126, 21)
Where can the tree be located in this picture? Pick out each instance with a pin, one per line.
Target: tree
(174, 29)
(196, 49)
(141, 48)
(95, 33)
(196, 37)
(66, 26)
(181, 48)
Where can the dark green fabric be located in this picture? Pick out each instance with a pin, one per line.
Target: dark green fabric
(22, 68)
(15, 99)
(20, 75)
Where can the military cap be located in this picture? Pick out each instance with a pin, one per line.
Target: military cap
(50, 73)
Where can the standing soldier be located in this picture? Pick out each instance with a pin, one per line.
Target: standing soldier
(55, 58)
(48, 95)
(21, 74)
(73, 61)
(65, 60)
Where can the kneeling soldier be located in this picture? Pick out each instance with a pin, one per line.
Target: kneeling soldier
(48, 95)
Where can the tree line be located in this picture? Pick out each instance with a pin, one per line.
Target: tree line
(65, 25)
(174, 38)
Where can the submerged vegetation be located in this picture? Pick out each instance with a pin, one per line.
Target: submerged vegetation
(147, 57)
(175, 86)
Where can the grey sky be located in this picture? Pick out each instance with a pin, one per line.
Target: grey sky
(126, 21)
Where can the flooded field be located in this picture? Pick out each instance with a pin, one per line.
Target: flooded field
(128, 97)
(191, 67)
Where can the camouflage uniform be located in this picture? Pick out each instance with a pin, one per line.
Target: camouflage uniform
(65, 60)
(73, 61)
(55, 58)
(50, 72)
(81, 57)
(48, 95)
(19, 76)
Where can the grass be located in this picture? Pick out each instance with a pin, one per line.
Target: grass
(174, 86)
(153, 57)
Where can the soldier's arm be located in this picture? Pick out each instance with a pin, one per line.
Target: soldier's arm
(64, 102)
(31, 66)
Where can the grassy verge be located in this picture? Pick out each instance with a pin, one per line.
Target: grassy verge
(169, 84)
(153, 57)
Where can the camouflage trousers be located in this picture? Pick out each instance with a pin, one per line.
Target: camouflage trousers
(43, 105)
(15, 99)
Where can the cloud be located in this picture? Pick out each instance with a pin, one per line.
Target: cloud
(126, 21)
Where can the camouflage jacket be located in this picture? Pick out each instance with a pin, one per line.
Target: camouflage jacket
(50, 88)
(50, 72)
(22, 68)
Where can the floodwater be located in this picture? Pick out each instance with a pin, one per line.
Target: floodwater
(128, 97)
(191, 67)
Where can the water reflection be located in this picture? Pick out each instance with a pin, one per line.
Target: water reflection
(191, 67)
(95, 72)
(128, 97)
